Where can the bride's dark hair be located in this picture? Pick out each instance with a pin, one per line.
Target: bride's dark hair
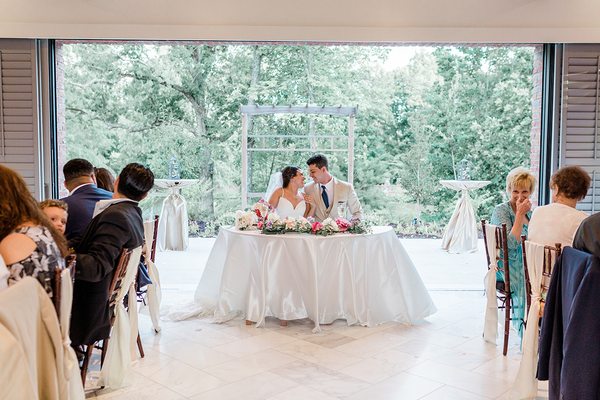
(287, 174)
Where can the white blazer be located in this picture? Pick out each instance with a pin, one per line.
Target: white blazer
(342, 192)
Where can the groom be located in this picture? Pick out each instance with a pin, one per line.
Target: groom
(328, 191)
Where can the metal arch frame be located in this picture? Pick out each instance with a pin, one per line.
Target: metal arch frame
(249, 111)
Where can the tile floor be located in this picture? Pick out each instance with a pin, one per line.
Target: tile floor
(444, 358)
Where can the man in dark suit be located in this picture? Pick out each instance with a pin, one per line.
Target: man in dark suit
(587, 237)
(82, 198)
(118, 226)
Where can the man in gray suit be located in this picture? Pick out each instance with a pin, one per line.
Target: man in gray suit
(328, 192)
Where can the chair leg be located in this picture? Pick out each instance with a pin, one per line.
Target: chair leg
(86, 361)
(139, 345)
(506, 325)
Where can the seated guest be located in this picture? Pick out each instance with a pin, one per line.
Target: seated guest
(57, 212)
(587, 237)
(117, 226)
(558, 222)
(104, 179)
(516, 213)
(82, 198)
(29, 243)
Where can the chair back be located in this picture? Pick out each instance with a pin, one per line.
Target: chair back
(496, 242)
(551, 254)
(117, 280)
(70, 261)
(150, 235)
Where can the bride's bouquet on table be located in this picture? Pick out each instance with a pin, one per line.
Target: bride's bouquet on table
(262, 217)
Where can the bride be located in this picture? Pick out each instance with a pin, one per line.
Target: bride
(286, 199)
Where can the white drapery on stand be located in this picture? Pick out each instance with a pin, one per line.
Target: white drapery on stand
(490, 326)
(461, 232)
(153, 293)
(116, 371)
(173, 226)
(526, 385)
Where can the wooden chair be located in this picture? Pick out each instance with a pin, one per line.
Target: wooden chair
(115, 285)
(503, 292)
(70, 262)
(154, 236)
(550, 253)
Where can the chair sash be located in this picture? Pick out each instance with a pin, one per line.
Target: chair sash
(4, 274)
(116, 371)
(71, 365)
(154, 294)
(525, 386)
(490, 327)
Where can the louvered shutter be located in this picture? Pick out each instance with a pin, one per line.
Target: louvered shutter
(580, 116)
(18, 110)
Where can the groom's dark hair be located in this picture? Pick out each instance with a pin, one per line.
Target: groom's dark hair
(319, 160)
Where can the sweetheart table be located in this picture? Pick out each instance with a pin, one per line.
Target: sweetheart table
(365, 279)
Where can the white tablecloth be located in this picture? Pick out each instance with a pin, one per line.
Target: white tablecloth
(173, 225)
(461, 232)
(365, 279)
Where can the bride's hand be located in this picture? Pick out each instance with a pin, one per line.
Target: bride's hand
(308, 198)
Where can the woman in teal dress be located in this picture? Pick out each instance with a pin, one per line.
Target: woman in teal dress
(516, 213)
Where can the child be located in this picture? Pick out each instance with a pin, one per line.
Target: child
(56, 211)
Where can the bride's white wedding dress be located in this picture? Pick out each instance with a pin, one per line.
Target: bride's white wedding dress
(285, 209)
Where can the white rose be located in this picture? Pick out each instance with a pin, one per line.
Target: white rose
(273, 217)
(290, 223)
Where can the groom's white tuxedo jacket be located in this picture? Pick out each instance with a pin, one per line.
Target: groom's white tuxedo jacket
(342, 191)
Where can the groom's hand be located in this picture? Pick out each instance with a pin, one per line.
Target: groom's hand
(308, 198)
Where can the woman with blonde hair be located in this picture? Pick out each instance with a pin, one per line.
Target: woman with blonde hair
(516, 213)
(29, 243)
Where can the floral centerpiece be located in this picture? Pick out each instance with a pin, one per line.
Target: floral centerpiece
(262, 217)
(276, 225)
(254, 218)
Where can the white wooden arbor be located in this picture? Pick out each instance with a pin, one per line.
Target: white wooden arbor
(250, 111)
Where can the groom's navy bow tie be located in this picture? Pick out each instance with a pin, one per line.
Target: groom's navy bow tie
(324, 196)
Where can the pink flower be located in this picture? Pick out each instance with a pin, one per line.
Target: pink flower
(259, 225)
(316, 226)
(342, 224)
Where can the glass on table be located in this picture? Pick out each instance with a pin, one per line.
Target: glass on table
(342, 209)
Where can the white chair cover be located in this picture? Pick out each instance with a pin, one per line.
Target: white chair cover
(14, 374)
(154, 294)
(526, 385)
(116, 370)
(28, 314)
(4, 274)
(75, 386)
(490, 327)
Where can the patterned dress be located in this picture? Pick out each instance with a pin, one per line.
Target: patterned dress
(504, 214)
(43, 260)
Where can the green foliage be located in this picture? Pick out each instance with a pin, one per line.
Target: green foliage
(147, 103)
